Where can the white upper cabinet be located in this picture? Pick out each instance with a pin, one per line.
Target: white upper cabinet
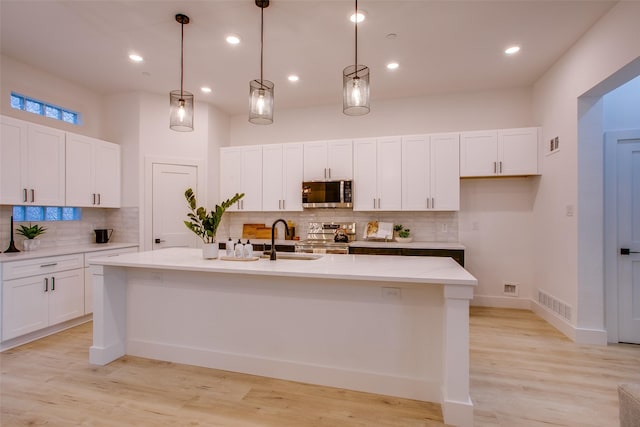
(506, 152)
(377, 174)
(282, 177)
(430, 172)
(32, 164)
(241, 172)
(92, 173)
(328, 160)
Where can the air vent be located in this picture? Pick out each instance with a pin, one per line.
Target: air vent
(554, 305)
(510, 289)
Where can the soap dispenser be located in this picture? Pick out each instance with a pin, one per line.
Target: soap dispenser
(239, 249)
(229, 247)
(248, 249)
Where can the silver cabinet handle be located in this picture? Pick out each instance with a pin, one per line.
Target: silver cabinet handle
(495, 167)
(325, 172)
(94, 198)
(46, 284)
(329, 172)
(49, 265)
(53, 283)
(428, 203)
(99, 201)
(433, 203)
(500, 167)
(283, 204)
(374, 203)
(33, 195)
(25, 195)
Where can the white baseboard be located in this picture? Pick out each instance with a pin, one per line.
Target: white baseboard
(36, 335)
(501, 302)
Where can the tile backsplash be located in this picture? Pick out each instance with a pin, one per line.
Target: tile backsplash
(124, 221)
(424, 226)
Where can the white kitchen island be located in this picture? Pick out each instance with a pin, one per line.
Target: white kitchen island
(384, 324)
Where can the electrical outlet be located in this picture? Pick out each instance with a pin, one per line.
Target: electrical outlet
(444, 227)
(390, 293)
(510, 289)
(475, 226)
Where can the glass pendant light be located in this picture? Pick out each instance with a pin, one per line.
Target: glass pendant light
(261, 91)
(181, 101)
(355, 84)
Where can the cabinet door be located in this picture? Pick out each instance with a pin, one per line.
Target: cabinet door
(230, 175)
(46, 166)
(389, 175)
(272, 177)
(106, 160)
(24, 306)
(518, 151)
(13, 161)
(445, 173)
(315, 161)
(340, 159)
(292, 155)
(416, 174)
(365, 191)
(79, 171)
(251, 178)
(66, 295)
(479, 153)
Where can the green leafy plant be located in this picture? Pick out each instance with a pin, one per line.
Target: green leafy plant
(397, 227)
(404, 233)
(31, 231)
(205, 224)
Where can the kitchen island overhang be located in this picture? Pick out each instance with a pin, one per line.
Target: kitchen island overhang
(390, 325)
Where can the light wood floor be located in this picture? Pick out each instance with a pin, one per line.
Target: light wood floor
(523, 373)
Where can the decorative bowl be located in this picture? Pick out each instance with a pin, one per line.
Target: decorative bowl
(404, 239)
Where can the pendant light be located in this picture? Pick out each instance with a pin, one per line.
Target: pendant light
(355, 84)
(181, 101)
(261, 91)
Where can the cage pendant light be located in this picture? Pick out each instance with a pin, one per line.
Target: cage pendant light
(260, 90)
(181, 101)
(355, 84)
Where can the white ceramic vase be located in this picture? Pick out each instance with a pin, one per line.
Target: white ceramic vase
(210, 250)
(30, 244)
(404, 239)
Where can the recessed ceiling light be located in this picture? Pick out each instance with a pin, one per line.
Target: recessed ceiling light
(231, 39)
(293, 78)
(511, 50)
(136, 58)
(360, 17)
(205, 89)
(392, 65)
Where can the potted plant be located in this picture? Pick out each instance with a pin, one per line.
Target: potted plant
(30, 233)
(205, 224)
(404, 235)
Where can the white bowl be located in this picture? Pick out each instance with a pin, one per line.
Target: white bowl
(404, 239)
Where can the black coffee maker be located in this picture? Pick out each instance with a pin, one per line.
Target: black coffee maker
(103, 234)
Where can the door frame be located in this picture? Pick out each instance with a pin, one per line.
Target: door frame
(611, 248)
(146, 215)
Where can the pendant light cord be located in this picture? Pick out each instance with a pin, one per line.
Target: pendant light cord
(182, 59)
(261, 40)
(356, 20)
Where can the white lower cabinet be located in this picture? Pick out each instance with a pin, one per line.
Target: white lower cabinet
(41, 292)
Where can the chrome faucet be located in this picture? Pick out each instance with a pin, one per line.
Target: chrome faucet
(272, 256)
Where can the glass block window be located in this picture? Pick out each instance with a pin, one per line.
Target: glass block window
(46, 213)
(42, 108)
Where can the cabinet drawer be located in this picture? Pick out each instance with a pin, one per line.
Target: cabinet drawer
(47, 265)
(107, 253)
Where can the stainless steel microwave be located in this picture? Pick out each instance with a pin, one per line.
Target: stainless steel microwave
(327, 194)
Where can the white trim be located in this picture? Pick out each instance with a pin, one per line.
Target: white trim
(36, 335)
(146, 213)
(501, 302)
(560, 324)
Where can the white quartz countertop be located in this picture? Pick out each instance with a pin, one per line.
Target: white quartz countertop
(411, 245)
(438, 270)
(64, 250)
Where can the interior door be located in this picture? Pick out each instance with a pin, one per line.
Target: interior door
(628, 192)
(169, 205)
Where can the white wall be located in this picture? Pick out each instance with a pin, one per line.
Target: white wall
(622, 107)
(560, 268)
(438, 113)
(22, 78)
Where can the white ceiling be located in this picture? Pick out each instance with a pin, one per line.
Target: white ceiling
(442, 46)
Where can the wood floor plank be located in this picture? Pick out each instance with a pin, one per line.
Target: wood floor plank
(524, 373)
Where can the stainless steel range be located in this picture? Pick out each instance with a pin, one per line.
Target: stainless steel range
(328, 238)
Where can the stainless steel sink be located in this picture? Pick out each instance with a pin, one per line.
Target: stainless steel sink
(293, 255)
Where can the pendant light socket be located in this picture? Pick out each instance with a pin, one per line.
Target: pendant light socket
(260, 90)
(355, 83)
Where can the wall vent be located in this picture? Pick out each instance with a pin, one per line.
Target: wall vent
(554, 305)
(510, 289)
